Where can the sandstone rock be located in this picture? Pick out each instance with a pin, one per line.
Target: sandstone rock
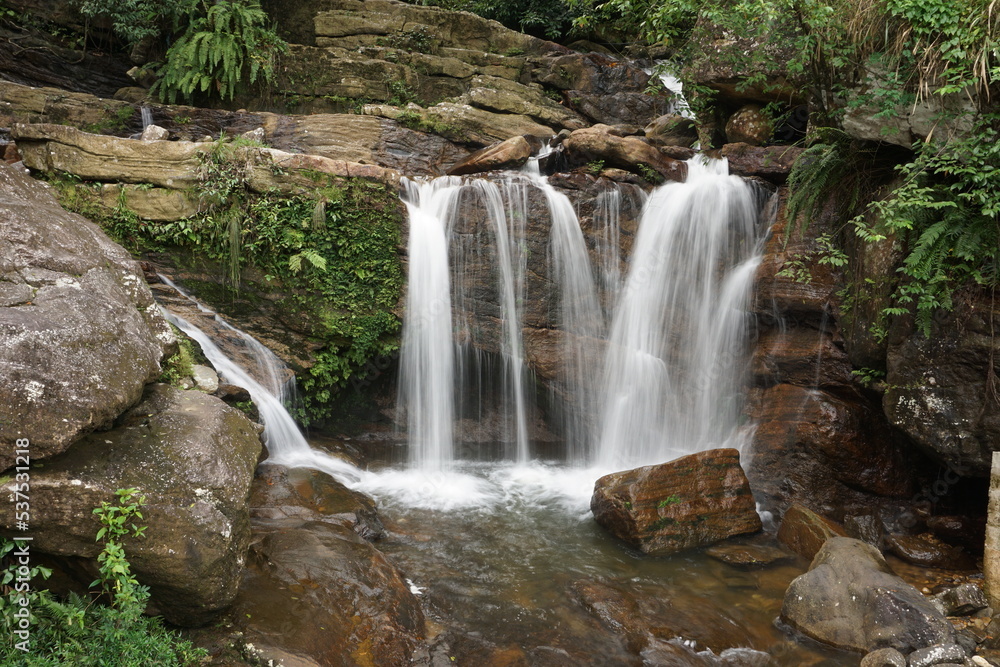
(10, 153)
(772, 163)
(318, 590)
(629, 108)
(672, 130)
(159, 204)
(805, 532)
(510, 154)
(482, 127)
(850, 599)
(748, 556)
(939, 388)
(963, 600)
(205, 379)
(82, 335)
(280, 493)
(499, 95)
(155, 133)
(597, 143)
(884, 657)
(193, 457)
(928, 551)
(696, 500)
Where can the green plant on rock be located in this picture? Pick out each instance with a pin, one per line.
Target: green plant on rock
(80, 632)
(179, 365)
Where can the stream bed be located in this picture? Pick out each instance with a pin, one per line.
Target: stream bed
(511, 556)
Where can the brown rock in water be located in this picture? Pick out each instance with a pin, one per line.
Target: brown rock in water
(748, 556)
(509, 154)
(928, 551)
(694, 501)
(772, 163)
(804, 532)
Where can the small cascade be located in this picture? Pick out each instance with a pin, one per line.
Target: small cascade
(285, 442)
(147, 116)
(676, 354)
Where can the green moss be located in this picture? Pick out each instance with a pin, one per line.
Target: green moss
(179, 365)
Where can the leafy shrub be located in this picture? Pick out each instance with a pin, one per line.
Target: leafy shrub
(80, 632)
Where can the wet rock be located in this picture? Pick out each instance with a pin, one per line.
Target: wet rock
(968, 531)
(884, 657)
(822, 449)
(962, 600)
(646, 620)
(10, 153)
(672, 130)
(192, 456)
(805, 532)
(478, 126)
(318, 590)
(927, 550)
(510, 154)
(749, 125)
(696, 500)
(155, 133)
(598, 143)
(851, 599)
(451, 648)
(81, 335)
(939, 381)
(867, 528)
(748, 556)
(938, 654)
(280, 493)
(205, 378)
(772, 163)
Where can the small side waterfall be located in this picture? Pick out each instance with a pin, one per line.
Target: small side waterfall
(285, 442)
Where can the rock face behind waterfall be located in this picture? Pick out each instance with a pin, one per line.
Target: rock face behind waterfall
(79, 333)
(693, 501)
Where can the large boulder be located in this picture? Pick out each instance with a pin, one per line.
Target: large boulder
(510, 154)
(192, 457)
(315, 590)
(599, 143)
(693, 501)
(852, 600)
(81, 335)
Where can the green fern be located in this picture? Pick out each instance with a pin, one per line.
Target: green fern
(221, 53)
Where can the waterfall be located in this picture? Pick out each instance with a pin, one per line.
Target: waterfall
(147, 116)
(285, 442)
(580, 316)
(676, 353)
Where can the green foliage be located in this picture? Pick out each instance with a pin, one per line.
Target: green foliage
(798, 266)
(868, 376)
(551, 19)
(179, 365)
(650, 174)
(135, 20)
(78, 631)
(220, 53)
(595, 167)
(947, 211)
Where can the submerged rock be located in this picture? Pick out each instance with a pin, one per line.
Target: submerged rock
(192, 457)
(851, 599)
(79, 333)
(748, 556)
(694, 501)
(928, 551)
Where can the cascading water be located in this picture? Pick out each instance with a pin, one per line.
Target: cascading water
(285, 442)
(676, 353)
